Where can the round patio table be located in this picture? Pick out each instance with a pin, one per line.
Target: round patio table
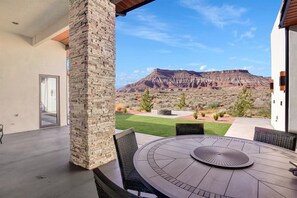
(168, 166)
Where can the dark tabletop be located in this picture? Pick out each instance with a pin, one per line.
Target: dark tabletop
(166, 164)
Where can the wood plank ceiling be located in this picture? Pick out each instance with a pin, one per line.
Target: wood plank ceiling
(291, 15)
(63, 37)
(122, 7)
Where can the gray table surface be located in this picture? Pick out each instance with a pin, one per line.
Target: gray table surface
(166, 165)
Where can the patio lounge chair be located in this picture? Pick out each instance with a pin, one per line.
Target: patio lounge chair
(107, 189)
(1, 133)
(126, 146)
(189, 129)
(274, 137)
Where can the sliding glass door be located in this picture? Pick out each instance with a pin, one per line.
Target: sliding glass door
(49, 101)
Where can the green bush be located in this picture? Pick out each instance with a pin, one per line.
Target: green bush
(195, 115)
(221, 114)
(213, 105)
(266, 113)
(202, 114)
(215, 117)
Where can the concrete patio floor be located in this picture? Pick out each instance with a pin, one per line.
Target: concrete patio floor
(36, 164)
(245, 127)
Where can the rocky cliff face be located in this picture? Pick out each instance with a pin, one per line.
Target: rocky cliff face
(183, 79)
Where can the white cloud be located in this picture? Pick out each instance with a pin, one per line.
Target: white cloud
(248, 34)
(245, 59)
(147, 26)
(195, 45)
(150, 69)
(219, 16)
(193, 64)
(203, 67)
(247, 67)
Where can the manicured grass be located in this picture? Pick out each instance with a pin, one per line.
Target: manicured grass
(164, 126)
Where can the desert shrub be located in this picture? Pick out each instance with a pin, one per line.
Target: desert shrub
(215, 117)
(213, 105)
(119, 108)
(139, 109)
(182, 101)
(195, 115)
(202, 114)
(125, 110)
(221, 114)
(147, 101)
(266, 113)
(243, 104)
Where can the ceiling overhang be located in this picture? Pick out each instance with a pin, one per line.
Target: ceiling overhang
(122, 8)
(125, 6)
(43, 20)
(288, 13)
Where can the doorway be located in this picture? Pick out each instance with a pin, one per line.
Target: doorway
(49, 90)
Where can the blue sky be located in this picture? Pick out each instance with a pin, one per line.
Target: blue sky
(199, 35)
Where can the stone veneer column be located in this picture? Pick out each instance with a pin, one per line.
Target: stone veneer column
(92, 82)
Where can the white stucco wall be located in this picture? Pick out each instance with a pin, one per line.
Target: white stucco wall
(277, 65)
(293, 79)
(20, 66)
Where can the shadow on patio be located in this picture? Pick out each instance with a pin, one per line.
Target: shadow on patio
(36, 164)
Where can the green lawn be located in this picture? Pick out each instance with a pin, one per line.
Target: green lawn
(163, 126)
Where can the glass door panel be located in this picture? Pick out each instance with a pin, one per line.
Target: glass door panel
(49, 103)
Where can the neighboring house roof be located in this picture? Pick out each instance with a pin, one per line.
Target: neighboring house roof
(288, 13)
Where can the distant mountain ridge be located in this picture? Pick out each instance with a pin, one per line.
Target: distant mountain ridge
(162, 79)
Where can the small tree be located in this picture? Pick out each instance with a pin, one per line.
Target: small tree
(243, 104)
(182, 101)
(147, 101)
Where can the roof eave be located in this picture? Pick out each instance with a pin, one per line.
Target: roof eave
(284, 11)
(124, 12)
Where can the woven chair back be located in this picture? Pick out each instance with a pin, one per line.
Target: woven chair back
(189, 129)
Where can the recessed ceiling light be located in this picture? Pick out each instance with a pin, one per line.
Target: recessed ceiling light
(15, 23)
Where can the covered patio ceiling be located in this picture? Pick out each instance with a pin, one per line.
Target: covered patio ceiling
(289, 13)
(122, 8)
(41, 21)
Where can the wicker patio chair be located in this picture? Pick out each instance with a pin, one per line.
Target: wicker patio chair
(274, 137)
(189, 129)
(107, 189)
(1, 133)
(126, 146)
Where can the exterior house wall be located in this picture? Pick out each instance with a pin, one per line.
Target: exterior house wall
(292, 79)
(20, 66)
(277, 65)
